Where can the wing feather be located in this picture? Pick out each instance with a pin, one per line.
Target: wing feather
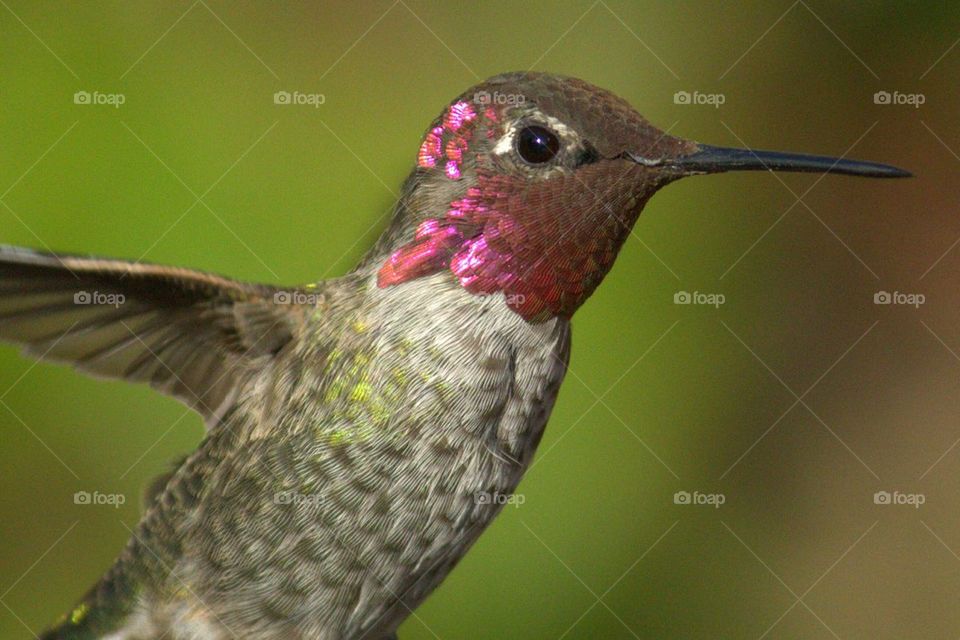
(193, 335)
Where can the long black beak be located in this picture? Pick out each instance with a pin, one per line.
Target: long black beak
(708, 159)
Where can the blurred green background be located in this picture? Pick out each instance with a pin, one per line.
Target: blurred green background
(200, 168)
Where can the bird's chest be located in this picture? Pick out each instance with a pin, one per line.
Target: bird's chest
(401, 448)
(478, 382)
(468, 387)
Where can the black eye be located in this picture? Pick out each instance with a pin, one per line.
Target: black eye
(537, 145)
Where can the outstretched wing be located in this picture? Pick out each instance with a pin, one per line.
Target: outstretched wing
(189, 334)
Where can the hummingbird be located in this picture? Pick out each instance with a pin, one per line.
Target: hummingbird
(355, 425)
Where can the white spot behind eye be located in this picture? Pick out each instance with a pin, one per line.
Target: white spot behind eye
(505, 143)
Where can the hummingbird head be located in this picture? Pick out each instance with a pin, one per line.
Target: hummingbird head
(529, 183)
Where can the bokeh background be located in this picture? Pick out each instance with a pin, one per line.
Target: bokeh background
(796, 400)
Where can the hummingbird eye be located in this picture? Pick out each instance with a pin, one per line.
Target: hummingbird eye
(537, 144)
